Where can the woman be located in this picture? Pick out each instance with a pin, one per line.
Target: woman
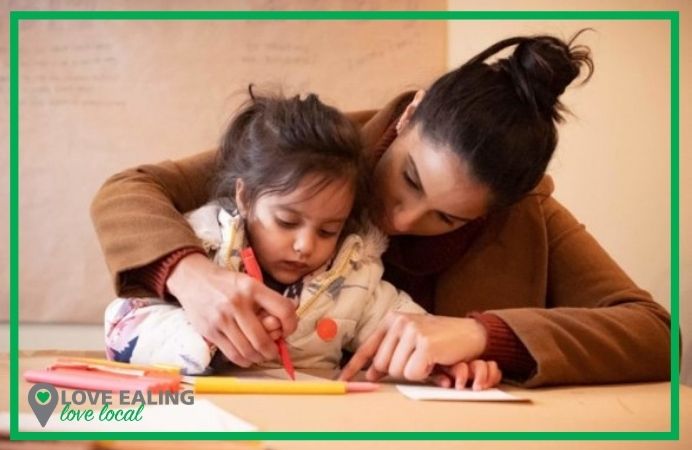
(476, 238)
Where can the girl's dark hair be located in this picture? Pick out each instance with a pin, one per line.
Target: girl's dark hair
(273, 142)
(500, 117)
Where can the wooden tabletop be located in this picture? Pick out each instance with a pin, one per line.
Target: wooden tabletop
(623, 407)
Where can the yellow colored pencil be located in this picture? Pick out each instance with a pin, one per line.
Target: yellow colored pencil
(230, 385)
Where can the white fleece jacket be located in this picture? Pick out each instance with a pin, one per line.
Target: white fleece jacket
(347, 291)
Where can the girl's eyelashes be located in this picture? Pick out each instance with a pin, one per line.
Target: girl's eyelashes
(285, 223)
(290, 224)
(328, 233)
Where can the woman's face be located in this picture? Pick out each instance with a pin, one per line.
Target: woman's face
(425, 188)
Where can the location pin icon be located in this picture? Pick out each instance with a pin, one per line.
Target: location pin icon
(43, 398)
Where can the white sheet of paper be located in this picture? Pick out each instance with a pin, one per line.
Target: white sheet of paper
(416, 392)
(203, 415)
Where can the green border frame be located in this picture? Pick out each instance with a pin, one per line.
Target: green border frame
(671, 16)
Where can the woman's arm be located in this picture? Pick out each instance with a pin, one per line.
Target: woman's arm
(598, 327)
(138, 216)
(579, 316)
(409, 346)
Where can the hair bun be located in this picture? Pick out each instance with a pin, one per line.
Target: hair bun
(542, 67)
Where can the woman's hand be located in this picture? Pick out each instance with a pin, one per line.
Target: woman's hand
(231, 310)
(483, 375)
(409, 346)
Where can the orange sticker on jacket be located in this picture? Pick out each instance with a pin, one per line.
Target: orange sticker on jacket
(326, 329)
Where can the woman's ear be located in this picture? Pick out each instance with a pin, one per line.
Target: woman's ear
(408, 112)
(240, 197)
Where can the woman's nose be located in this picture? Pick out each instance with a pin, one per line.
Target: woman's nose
(404, 218)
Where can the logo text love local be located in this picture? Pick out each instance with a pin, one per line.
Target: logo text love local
(43, 399)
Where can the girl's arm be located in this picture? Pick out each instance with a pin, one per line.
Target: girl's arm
(478, 374)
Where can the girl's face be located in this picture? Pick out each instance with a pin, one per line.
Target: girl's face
(294, 234)
(425, 188)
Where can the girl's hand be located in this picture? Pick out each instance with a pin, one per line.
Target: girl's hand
(228, 309)
(271, 324)
(483, 374)
(409, 346)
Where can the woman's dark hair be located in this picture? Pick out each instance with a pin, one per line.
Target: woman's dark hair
(273, 142)
(500, 116)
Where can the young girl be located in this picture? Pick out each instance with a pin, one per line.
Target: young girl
(291, 183)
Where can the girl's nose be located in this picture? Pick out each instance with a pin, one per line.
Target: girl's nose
(304, 244)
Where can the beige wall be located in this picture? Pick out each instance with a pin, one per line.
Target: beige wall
(612, 166)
